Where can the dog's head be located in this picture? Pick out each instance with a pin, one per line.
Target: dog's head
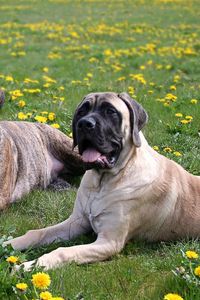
(103, 124)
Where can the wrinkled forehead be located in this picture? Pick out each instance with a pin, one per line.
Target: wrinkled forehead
(96, 100)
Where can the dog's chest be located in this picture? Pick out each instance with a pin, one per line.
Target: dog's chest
(97, 203)
(96, 207)
(103, 206)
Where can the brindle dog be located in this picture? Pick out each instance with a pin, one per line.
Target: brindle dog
(33, 156)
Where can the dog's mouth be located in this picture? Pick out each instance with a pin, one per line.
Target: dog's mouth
(93, 157)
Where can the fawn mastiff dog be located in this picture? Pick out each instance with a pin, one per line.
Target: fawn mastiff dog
(33, 155)
(131, 191)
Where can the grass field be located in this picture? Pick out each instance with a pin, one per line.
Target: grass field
(54, 52)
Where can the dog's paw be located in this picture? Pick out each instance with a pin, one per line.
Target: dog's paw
(27, 266)
(50, 260)
(15, 243)
(5, 244)
(45, 261)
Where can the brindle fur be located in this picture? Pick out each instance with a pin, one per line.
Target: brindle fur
(32, 156)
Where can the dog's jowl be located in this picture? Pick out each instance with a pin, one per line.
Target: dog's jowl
(129, 191)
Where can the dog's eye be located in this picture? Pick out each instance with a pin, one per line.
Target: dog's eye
(110, 111)
(81, 112)
(83, 109)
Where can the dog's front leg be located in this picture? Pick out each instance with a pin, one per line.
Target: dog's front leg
(100, 250)
(70, 228)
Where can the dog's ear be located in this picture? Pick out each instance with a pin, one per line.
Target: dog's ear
(138, 117)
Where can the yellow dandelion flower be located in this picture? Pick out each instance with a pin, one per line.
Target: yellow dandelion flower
(176, 153)
(90, 75)
(194, 101)
(107, 52)
(22, 116)
(179, 115)
(28, 80)
(156, 148)
(189, 51)
(167, 149)
(75, 82)
(131, 89)
(57, 298)
(52, 55)
(21, 103)
(32, 91)
(46, 85)
(189, 118)
(29, 115)
(16, 93)
(41, 280)
(49, 79)
(12, 259)
(21, 286)
(51, 116)
(168, 67)
(45, 69)
(55, 125)
(149, 62)
(172, 296)
(138, 77)
(197, 271)
(122, 78)
(191, 254)
(160, 100)
(173, 88)
(171, 97)
(44, 113)
(74, 34)
(21, 53)
(9, 78)
(61, 88)
(93, 60)
(185, 121)
(166, 104)
(45, 296)
(176, 78)
(40, 119)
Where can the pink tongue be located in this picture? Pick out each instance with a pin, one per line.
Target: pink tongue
(90, 155)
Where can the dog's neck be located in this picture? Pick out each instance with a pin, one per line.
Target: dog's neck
(138, 160)
(128, 153)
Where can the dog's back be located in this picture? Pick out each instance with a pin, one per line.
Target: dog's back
(175, 198)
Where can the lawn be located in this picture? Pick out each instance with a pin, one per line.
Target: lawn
(54, 52)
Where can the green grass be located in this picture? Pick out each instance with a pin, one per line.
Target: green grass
(110, 40)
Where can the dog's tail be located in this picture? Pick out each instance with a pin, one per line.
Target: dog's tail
(2, 98)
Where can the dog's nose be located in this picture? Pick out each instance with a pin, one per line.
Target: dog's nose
(87, 123)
